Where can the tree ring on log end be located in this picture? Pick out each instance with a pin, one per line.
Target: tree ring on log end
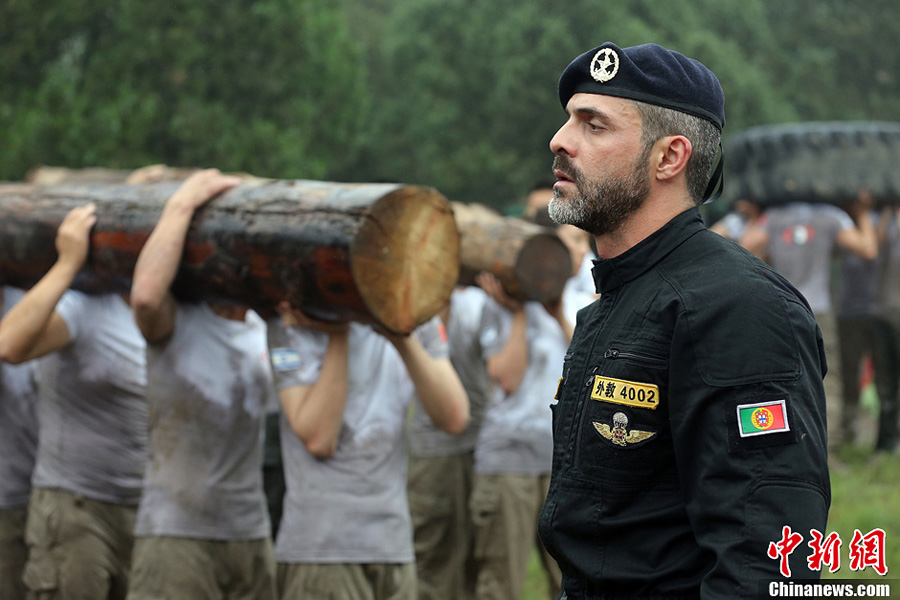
(405, 258)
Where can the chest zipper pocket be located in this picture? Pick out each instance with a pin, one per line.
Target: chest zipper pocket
(561, 386)
(566, 368)
(643, 359)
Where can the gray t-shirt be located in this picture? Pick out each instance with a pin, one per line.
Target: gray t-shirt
(352, 507)
(208, 386)
(18, 423)
(801, 240)
(516, 434)
(735, 225)
(888, 291)
(857, 288)
(91, 409)
(475, 332)
(582, 283)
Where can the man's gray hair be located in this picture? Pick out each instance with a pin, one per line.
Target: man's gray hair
(659, 122)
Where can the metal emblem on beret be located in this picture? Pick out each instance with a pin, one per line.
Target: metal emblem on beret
(618, 434)
(605, 65)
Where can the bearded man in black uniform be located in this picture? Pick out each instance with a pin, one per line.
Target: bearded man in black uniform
(690, 423)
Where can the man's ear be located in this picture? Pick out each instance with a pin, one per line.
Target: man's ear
(673, 152)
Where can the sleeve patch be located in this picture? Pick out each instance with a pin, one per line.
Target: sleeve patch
(752, 423)
(762, 418)
(285, 359)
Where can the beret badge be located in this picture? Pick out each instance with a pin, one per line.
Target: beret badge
(605, 65)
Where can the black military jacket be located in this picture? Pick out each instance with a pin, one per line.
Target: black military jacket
(690, 425)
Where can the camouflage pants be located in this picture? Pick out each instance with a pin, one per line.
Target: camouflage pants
(170, 567)
(13, 552)
(439, 490)
(78, 548)
(505, 510)
(347, 581)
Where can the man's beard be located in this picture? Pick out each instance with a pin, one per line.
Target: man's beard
(600, 207)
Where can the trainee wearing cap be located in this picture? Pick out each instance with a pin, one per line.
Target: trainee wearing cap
(648, 73)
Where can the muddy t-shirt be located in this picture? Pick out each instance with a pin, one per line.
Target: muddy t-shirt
(18, 422)
(475, 332)
(351, 507)
(888, 285)
(517, 431)
(801, 239)
(208, 387)
(91, 408)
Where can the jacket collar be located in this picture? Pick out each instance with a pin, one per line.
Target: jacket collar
(611, 273)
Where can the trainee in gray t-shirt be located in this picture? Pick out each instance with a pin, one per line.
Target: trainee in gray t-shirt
(888, 289)
(475, 332)
(801, 240)
(352, 507)
(18, 422)
(516, 434)
(91, 409)
(208, 386)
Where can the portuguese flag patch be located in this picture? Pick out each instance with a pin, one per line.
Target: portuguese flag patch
(762, 418)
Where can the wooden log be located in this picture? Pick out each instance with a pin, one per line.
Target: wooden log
(530, 261)
(157, 173)
(374, 253)
(45, 175)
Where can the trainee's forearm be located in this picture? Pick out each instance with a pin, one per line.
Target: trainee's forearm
(160, 257)
(881, 230)
(507, 367)
(869, 237)
(437, 386)
(22, 326)
(317, 419)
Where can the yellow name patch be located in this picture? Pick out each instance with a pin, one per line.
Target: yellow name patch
(629, 393)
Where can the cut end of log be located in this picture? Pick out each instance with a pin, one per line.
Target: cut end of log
(530, 261)
(406, 279)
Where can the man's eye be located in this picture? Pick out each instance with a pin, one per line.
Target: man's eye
(595, 127)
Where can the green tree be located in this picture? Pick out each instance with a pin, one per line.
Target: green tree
(269, 86)
(466, 90)
(458, 94)
(465, 97)
(836, 59)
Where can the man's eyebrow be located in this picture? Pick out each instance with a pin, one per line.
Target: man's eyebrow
(593, 113)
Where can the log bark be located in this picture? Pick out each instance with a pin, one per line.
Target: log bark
(374, 253)
(530, 261)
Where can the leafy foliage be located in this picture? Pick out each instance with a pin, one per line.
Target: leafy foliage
(465, 92)
(267, 86)
(457, 94)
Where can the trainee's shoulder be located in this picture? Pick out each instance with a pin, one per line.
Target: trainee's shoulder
(837, 216)
(468, 298)
(86, 314)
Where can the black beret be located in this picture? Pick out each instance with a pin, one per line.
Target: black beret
(648, 73)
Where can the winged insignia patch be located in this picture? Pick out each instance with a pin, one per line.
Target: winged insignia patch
(619, 434)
